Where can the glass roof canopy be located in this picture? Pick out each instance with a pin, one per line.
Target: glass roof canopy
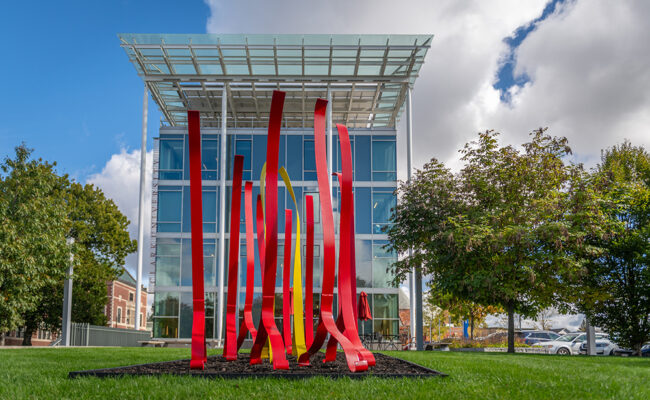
(367, 75)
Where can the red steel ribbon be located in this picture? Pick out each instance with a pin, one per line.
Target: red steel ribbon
(326, 323)
(286, 284)
(247, 324)
(230, 345)
(199, 356)
(353, 264)
(347, 274)
(268, 329)
(309, 273)
(260, 233)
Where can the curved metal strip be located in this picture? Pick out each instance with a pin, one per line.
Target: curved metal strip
(230, 345)
(347, 275)
(286, 284)
(270, 330)
(298, 324)
(199, 356)
(326, 323)
(247, 324)
(309, 273)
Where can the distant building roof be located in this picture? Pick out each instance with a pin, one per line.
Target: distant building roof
(126, 278)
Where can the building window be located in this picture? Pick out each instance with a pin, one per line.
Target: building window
(168, 262)
(141, 320)
(210, 159)
(130, 296)
(244, 147)
(169, 208)
(382, 261)
(128, 317)
(385, 314)
(171, 159)
(384, 164)
(383, 202)
(119, 315)
(309, 173)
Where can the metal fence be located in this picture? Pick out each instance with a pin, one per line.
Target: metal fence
(92, 335)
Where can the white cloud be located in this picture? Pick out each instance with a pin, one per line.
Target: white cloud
(590, 78)
(589, 65)
(120, 181)
(467, 44)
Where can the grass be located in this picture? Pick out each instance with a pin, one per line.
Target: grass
(42, 373)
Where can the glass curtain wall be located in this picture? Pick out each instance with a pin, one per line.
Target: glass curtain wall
(374, 163)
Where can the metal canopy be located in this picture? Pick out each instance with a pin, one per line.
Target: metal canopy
(368, 75)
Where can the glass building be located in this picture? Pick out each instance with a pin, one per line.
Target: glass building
(230, 79)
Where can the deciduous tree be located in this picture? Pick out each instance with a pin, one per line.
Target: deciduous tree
(503, 231)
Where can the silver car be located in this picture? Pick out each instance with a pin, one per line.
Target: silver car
(567, 344)
(604, 347)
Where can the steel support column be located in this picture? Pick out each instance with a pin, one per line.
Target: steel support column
(143, 174)
(416, 276)
(67, 299)
(222, 213)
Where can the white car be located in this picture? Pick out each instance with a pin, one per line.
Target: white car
(604, 347)
(567, 344)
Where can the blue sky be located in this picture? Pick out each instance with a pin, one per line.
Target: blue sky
(69, 90)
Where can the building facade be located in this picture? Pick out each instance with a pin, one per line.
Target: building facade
(121, 307)
(230, 79)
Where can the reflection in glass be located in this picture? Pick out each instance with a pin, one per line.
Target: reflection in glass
(166, 304)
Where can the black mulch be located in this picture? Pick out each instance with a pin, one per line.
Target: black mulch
(218, 367)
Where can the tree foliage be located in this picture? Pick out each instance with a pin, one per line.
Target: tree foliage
(40, 210)
(459, 309)
(33, 229)
(508, 230)
(616, 293)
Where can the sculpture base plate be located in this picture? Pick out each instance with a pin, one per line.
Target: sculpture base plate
(218, 367)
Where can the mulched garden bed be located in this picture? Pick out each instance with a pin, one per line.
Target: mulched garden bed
(218, 367)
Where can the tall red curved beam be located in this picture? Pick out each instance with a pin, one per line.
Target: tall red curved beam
(247, 324)
(326, 323)
(347, 277)
(199, 356)
(230, 345)
(286, 282)
(347, 274)
(309, 273)
(268, 329)
(353, 265)
(259, 221)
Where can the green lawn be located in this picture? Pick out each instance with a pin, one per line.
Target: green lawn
(42, 373)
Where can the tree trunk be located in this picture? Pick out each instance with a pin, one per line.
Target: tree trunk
(511, 327)
(2, 338)
(27, 337)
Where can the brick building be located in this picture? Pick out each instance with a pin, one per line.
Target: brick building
(120, 309)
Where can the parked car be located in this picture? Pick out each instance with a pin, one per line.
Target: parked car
(645, 350)
(604, 347)
(567, 344)
(532, 337)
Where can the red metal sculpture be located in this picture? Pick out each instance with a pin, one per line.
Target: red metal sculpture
(326, 323)
(343, 331)
(247, 324)
(286, 283)
(309, 273)
(230, 345)
(268, 329)
(199, 355)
